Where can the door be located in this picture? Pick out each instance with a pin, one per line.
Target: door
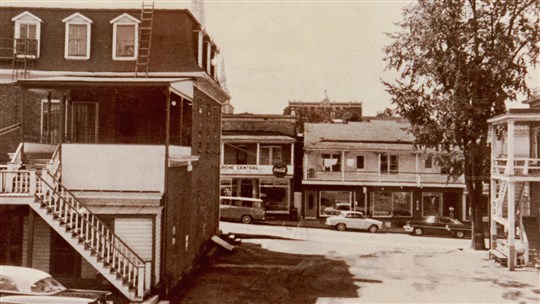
(84, 122)
(310, 205)
(432, 203)
(65, 262)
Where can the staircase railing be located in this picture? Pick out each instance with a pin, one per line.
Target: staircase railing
(88, 228)
(16, 158)
(55, 164)
(19, 182)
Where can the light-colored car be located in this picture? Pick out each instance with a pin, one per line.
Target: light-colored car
(242, 209)
(354, 220)
(24, 281)
(45, 300)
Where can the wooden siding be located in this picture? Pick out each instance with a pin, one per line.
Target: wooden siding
(136, 233)
(157, 255)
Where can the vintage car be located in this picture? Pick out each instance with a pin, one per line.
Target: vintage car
(242, 209)
(25, 281)
(440, 225)
(353, 220)
(45, 300)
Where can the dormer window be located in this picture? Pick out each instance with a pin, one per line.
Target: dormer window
(77, 42)
(27, 35)
(125, 37)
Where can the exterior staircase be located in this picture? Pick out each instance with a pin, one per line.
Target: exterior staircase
(82, 229)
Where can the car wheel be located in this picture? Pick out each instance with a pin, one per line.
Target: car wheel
(418, 231)
(246, 219)
(373, 229)
(460, 234)
(341, 227)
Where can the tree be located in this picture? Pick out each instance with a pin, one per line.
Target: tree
(458, 61)
(387, 112)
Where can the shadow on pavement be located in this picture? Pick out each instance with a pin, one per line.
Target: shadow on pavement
(252, 274)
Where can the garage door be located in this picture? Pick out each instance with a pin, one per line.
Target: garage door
(137, 234)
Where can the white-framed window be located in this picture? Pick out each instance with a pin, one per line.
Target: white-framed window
(389, 163)
(27, 35)
(125, 37)
(77, 37)
(270, 155)
(51, 129)
(360, 162)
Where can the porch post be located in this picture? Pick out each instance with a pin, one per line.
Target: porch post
(492, 190)
(379, 167)
(492, 222)
(222, 154)
(49, 118)
(258, 156)
(511, 225)
(292, 156)
(510, 152)
(181, 120)
(62, 120)
(417, 169)
(343, 165)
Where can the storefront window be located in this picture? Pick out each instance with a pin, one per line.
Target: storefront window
(275, 195)
(392, 203)
(333, 202)
(226, 187)
(432, 203)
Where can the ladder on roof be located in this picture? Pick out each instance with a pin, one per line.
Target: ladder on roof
(145, 40)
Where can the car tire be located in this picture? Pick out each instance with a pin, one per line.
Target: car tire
(341, 227)
(373, 229)
(246, 219)
(418, 231)
(459, 234)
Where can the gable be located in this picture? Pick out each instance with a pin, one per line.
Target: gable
(77, 18)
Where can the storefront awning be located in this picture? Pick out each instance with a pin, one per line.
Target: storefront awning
(245, 138)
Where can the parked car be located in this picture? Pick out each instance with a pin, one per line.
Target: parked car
(25, 281)
(242, 209)
(438, 225)
(45, 300)
(353, 220)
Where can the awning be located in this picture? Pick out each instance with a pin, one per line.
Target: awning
(374, 147)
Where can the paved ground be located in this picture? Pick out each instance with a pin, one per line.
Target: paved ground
(277, 264)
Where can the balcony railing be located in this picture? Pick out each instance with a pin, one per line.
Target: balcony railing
(522, 166)
(375, 176)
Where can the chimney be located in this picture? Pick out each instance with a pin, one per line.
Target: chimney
(197, 8)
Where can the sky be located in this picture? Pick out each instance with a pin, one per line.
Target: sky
(279, 51)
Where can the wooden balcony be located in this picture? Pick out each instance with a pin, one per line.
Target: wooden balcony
(400, 178)
(523, 168)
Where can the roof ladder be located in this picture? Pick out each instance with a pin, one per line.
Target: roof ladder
(145, 40)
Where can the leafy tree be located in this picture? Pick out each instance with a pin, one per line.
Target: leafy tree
(458, 62)
(387, 112)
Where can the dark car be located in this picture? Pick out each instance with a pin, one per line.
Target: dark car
(23, 281)
(440, 225)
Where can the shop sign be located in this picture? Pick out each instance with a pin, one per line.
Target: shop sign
(279, 170)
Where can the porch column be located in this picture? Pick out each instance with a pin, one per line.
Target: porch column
(305, 165)
(379, 167)
(343, 165)
(292, 157)
(510, 152)
(258, 156)
(62, 119)
(511, 225)
(417, 169)
(492, 189)
(49, 118)
(492, 222)
(222, 154)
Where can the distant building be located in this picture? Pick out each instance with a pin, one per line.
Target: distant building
(324, 111)
(374, 167)
(257, 159)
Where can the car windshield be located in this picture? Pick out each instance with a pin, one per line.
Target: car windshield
(456, 222)
(47, 285)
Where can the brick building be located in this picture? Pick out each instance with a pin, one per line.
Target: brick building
(110, 132)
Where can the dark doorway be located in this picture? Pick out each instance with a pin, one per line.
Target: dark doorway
(65, 261)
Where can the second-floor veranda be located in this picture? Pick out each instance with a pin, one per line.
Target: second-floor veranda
(515, 142)
(375, 164)
(256, 153)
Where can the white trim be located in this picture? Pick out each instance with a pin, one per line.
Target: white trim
(126, 19)
(77, 15)
(42, 125)
(88, 38)
(30, 19)
(197, 74)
